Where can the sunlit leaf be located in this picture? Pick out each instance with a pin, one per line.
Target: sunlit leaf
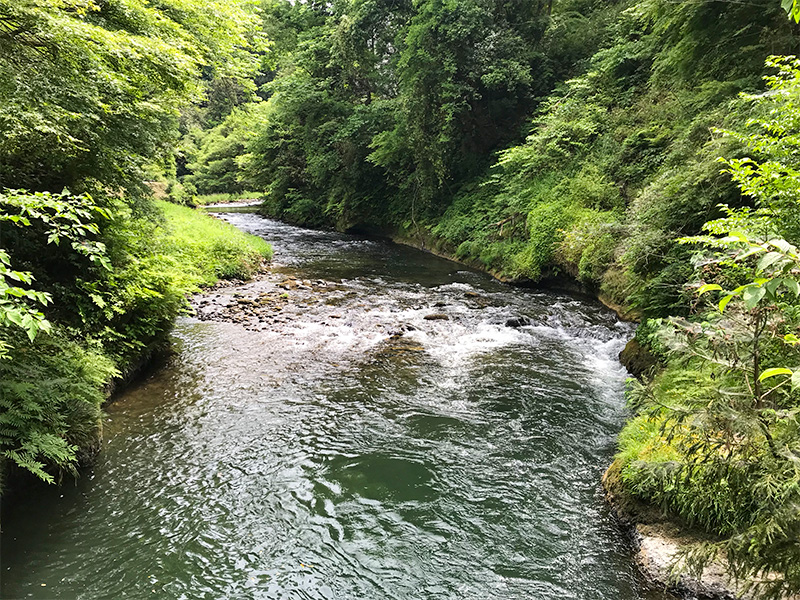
(708, 288)
(767, 373)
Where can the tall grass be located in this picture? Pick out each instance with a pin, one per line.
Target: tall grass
(203, 199)
(209, 249)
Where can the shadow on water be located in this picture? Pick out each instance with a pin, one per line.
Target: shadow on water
(355, 449)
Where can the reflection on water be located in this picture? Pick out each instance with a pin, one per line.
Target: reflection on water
(353, 449)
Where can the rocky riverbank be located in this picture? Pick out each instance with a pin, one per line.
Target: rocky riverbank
(661, 543)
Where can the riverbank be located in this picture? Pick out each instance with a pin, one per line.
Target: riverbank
(556, 282)
(662, 545)
(56, 425)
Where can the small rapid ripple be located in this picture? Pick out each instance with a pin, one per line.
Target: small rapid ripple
(352, 448)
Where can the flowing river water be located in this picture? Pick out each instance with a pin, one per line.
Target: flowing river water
(331, 442)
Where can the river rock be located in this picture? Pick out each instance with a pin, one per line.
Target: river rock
(637, 359)
(659, 541)
(437, 317)
(518, 322)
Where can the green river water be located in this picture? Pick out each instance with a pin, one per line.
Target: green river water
(352, 449)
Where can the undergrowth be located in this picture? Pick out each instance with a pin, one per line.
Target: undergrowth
(52, 387)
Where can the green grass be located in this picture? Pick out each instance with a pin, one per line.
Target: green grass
(208, 249)
(203, 199)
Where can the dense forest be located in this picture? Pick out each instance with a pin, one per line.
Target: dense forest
(647, 149)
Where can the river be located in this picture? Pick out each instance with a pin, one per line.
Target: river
(394, 426)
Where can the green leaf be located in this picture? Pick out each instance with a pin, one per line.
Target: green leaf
(14, 317)
(796, 379)
(792, 285)
(773, 285)
(724, 302)
(708, 288)
(752, 296)
(736, 236)
(767, 373)
(768, 260)
(781, 245)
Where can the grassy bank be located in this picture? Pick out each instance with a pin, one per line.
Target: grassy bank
(208, 249)
(204, 199)
(52, 387)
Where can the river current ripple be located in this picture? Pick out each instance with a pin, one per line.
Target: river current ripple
(352, 449)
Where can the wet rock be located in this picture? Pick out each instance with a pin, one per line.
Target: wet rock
(440, 304)
(637, 359)
(289, 284)
(472, 295)
(518, 322)
(437, 317)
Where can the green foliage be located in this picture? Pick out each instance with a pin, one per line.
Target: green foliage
(207, 249)
(773, 179)
(793, 8)
(728, 403)
(53, 219)
(89, 90)
(216, 164)
(50, 395)
(205, 199)
(588, 247)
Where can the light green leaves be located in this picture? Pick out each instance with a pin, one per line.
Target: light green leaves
(13, 308)
(752, 295)
(767, 373)
(709, 287)
(777, 270)
(793, 8)
(794, 375)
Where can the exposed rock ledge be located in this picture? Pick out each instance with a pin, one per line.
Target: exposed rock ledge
(658, 542)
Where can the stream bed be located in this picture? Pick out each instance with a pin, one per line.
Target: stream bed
(365, 422)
